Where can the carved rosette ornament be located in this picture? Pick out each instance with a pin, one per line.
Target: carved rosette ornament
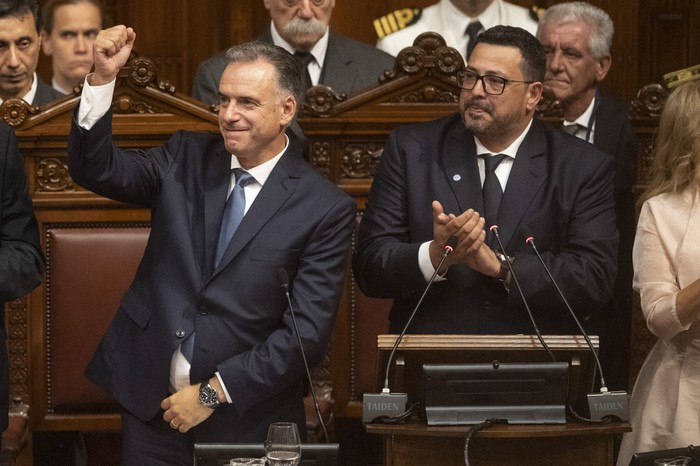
(15, 111)
(52, 175)
(549, 106)
(320, 157)
(320, 99)
(359, 161)
(649, 102)
(142, 71)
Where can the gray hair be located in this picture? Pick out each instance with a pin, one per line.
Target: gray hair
(287, 67)
(602, 29)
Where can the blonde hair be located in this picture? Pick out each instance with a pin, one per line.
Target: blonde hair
(677, 143)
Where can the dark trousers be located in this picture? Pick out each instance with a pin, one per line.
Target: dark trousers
(154, 443)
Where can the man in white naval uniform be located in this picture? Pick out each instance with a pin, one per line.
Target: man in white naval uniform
(450, 19)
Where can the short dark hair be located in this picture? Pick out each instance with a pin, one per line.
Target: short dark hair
(49, 11)
(534, 58)
(287, 66)
(19, 9)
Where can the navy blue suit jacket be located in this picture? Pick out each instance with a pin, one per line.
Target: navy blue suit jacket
(299, 221)
(560, 190)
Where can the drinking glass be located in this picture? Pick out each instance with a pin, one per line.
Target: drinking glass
(283, 446)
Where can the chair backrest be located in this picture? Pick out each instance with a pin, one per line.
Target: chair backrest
(218, 454)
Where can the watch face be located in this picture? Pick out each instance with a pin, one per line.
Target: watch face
(208, 396)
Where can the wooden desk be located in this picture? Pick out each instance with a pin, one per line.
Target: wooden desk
(568, 444)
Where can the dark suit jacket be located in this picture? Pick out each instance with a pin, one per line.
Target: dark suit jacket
(21, 259)
(299, 221)
(560, 190)
(45, 94)
(349, 66)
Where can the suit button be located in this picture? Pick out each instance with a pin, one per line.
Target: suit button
(486, 305)
(203, 310)
(180, 333)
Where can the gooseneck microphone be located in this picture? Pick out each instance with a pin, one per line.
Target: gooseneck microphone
(494, 229)
(387, 404)
(283, 279)
(605, 403)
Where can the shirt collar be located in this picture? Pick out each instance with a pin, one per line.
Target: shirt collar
(510, 151)
(29, 96)
(458, 21)
(318, 50)
(261, 172)
(585, 117)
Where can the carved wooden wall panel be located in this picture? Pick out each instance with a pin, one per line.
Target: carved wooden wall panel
(652, 37)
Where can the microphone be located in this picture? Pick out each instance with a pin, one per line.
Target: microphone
(387, 404)
(283, 279)
(605, 403)
(494, 229)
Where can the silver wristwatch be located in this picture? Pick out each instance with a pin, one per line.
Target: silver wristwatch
(208, 396)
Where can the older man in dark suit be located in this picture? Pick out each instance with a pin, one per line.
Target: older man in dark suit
(551, 186)
(20, 43)
(577, 37)
(301, 27)
(203, 347)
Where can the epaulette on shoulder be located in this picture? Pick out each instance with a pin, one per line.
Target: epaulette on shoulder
(396, 20)
(675, 78)
(536, 12)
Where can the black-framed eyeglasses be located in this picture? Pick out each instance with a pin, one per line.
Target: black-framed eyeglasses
(492, 84)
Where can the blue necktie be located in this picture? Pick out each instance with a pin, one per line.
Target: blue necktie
(492, 192)
(233, 214)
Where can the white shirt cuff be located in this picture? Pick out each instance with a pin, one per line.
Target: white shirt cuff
(425, 264)
(95, 101)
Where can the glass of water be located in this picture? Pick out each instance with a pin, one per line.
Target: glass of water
(283, 445)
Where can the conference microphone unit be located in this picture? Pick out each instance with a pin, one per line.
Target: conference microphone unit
(283, 279)
(494, 229)
(605, 404)
(387, 405)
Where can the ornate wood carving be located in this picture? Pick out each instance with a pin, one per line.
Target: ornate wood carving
(649, 102)
(17, 348)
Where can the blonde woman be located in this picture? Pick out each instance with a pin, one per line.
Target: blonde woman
(665, 406)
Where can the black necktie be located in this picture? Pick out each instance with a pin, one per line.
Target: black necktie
(472, 31)
(304, 59)
(492, 190)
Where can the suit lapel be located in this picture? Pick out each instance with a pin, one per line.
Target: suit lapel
(216, 184)
(335, 67)
(462, 170)
(527, 176)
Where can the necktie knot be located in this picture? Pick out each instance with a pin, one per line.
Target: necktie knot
(491, 162)
(304, 58)
(242, 177)
(573, 128)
